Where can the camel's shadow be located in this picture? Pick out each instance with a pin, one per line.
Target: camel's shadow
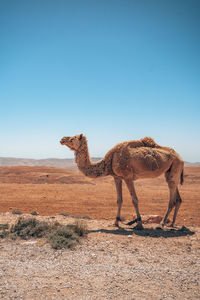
(148, 232)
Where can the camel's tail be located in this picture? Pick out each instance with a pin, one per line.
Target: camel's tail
(182, 177)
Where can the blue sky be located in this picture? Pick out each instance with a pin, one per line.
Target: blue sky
(113, 70)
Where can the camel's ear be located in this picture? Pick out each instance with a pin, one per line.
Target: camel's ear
(80, 137)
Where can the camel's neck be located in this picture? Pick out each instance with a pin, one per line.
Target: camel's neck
(86, 166)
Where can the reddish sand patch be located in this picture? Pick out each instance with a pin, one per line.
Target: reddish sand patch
(51, 191)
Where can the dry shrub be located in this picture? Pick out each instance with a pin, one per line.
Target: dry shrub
(28, 228)
(4, 234)
(67, 236)
(59, 236)
(34, 213)
(3, 231)
(4, 226)
(63, 237)
(17, 212)
(81, 228)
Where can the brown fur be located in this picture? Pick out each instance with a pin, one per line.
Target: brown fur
(130, 161)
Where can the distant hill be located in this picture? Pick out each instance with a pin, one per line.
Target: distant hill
(48, 162)
(189, 164)
(68, 163)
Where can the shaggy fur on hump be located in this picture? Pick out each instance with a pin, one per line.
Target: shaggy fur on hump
(148, 142)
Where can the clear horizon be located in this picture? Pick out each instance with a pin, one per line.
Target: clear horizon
(113, 70)
(94, 157)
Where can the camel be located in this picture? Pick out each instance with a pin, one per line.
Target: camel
(129, 161)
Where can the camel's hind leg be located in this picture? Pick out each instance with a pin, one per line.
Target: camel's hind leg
(131, 189)
(173, 176)
(118, 184)
(177, 205)
(175, 200)
(172, 201)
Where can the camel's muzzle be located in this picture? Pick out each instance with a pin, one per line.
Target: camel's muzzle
(63, 140)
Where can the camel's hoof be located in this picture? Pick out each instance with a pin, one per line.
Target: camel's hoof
(116, 224)
(134, 221)
(130, 223)
(117, 221)
(138, 227)
(172, 225)
(162, 224)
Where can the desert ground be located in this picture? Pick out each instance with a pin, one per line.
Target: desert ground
(50, 191)
(111, 263)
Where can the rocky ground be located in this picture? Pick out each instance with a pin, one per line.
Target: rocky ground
(110, 263)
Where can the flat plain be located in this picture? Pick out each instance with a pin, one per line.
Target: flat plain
(50, 191)
(111, 263)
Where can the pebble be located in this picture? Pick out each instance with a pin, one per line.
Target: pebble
(106, 266)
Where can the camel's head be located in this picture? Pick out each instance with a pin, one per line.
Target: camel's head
(73, 142)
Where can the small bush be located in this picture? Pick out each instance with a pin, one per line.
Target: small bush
(34, 213)
(4, 226)
(4, 232)
(59, 236)
(63, 237)
(64, 214)
(81, 228)
(17, 212)
(27, 228)
(67, 236)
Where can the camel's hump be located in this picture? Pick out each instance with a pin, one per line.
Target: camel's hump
(148, 142)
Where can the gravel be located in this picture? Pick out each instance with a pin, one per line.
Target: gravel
(108, 264)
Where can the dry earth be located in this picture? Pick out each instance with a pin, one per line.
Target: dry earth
(50, 191)
(110, 263)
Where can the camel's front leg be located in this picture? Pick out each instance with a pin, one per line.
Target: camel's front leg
(131, 188)
(118, 183)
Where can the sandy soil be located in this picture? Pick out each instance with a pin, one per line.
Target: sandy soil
(51, 191)
(110, 263)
